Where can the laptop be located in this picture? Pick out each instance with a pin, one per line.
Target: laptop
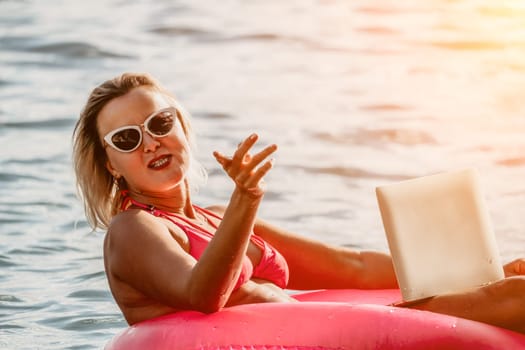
(439, 234)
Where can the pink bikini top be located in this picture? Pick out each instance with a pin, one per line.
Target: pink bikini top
(272, 266)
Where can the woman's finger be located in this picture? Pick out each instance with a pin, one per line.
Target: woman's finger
(256, 178)
(246, 169)
(260, 157)
(251, 162)
(221, 158)
(515, 268)
(242, 150)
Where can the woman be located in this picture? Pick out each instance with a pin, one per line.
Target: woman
(133, 160)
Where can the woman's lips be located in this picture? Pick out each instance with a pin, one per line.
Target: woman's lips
(160, 162)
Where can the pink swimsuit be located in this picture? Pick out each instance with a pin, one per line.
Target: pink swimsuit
(272, 266)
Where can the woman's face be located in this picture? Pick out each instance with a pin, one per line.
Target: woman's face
(159, 164)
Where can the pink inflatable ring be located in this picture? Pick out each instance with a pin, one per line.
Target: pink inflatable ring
(331, 319)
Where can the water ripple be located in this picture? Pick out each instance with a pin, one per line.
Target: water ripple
(34, 160)
(383, 10)
(12, 327)
(379, 30)
(95, 323)
(45, 250)
(502, 11)
(91, 294)
(470, 45)
(52, 124)
(6, 261)
(182, 31)
(384, 107)
(374, 137)
(75, 50)
(512, 162)
(264, 37)
(9, 298)
(518, 67)
(16, 42)
(273, 37)
(77, 223)
(333, 214)
(12, 177)
(17, 307)
(351, 172)
(214, 115)
(91, 276)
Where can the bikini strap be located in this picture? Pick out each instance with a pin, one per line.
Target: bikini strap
(128, 202)
(207, 212)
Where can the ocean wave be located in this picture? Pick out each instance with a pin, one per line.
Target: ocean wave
(7, 261)
(471, 45)
(91, 294)
(72, 49)
(512, 162)
(81, 323)
(52, 159)
(380, 10)
(15, 177)
(379, 137)
(98, 275)
(76, 50)
(182, 31)
(351, 172)
(271, 37)
(502, 11)
(18, 307)
(213, 115)
(40, 124)
(16, 42)
(378, 30)
(384, 107)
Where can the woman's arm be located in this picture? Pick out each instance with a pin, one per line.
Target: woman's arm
(317, 265)
(218, 268)
(501, 304)
(142, 252)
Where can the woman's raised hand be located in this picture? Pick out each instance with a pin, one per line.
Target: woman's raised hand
(246, 170)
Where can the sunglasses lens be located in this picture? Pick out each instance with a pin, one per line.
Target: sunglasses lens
(161, 124)
(127, 139)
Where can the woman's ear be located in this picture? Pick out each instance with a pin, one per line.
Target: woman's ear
(112, 170)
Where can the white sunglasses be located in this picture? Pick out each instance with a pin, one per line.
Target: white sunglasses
(128, 138)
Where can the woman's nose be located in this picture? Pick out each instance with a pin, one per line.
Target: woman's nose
(149, 143)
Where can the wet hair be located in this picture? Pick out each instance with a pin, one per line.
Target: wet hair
(98, 190)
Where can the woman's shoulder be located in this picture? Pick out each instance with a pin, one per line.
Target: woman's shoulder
(131, 217)
(137, 226)
(133, 224)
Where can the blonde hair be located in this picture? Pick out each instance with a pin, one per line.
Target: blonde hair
(96, 186)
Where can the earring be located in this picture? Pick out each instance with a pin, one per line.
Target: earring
(117, 179)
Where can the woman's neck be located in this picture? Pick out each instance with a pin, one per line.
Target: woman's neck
(176, 201)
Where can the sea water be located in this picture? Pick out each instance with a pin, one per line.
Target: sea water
(357, 94)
